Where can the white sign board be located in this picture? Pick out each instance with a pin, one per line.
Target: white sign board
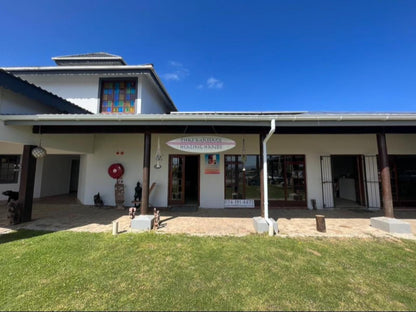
(202, 144)
(239, 203)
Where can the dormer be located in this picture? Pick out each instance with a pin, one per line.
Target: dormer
(102, 83)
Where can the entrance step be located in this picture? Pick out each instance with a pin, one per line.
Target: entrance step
(391, 225)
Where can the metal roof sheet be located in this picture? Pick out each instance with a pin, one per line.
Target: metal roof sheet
(292, 120)
(96, 58)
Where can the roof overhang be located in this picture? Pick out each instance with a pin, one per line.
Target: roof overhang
(298, 123)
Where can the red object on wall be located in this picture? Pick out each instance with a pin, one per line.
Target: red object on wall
(116, 171)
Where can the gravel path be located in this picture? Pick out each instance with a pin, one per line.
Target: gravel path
(236, 222)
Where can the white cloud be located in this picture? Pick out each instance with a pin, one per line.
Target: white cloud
(214, 83)
(177, 73)
(211, 83)
(170, 76)
(175, 64)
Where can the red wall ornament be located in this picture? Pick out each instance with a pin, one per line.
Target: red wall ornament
(116, 171)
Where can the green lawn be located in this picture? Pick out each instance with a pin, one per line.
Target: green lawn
(84, 271)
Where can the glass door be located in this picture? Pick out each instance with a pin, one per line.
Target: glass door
(176, 179)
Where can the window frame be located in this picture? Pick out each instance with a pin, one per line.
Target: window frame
(103, 80)
(10, 178)
(276, 203)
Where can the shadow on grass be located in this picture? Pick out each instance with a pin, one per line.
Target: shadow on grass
(20, 234)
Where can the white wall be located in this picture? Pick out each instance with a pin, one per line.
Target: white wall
(14, 103)
(78, 89)
(94, 177)
(83, 90)
(152, 102)
(53, 143)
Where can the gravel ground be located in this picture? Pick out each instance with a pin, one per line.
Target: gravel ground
(58, 215)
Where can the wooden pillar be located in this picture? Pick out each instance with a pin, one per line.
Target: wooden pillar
(385, 175)
(261, 138)
(146, 174)
(27, 184)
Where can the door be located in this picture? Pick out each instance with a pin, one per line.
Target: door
(327, 189)
(176, 179)
(371, 180)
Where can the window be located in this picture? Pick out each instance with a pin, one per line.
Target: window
(286, 181)
(118, 96)
(9, 168)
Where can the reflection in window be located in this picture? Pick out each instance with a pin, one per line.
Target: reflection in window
(286, 179)
(9, 168)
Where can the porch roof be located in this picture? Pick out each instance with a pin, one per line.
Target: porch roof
(221, 122)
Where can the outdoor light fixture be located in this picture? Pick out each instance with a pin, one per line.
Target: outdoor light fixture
(39, 151)
(243, 155)
(158, 155)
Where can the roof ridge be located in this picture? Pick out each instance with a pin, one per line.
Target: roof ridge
(92, 54)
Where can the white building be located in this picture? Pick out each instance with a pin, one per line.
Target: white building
(118, 110)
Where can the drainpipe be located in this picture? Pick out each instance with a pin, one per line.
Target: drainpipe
(266, 177)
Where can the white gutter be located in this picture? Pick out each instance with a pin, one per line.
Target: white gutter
(266, 176)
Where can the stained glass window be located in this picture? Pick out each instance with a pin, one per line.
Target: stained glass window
(118, 96)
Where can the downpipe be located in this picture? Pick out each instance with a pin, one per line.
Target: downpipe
(266, 176)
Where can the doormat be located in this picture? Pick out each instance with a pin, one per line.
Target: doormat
(190, 208)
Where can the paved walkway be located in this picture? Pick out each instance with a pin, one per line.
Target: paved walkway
(57, 214)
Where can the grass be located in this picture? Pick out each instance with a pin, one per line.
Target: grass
(85, 271)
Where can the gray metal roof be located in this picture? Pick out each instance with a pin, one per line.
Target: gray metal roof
(96, 58)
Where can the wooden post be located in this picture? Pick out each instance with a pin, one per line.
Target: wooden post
(115, 227)
(385, 175)
(146, 174)
(320, 223)
(27, 184)
(261, 138)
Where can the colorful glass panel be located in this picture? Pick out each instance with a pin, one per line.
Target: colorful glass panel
(118, 97)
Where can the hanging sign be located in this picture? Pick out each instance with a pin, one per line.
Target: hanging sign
(201, 144)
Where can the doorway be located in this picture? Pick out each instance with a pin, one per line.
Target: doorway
(183, 180)
(348, 181)
(403, 180)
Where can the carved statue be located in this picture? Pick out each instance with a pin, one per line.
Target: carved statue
(137, 194)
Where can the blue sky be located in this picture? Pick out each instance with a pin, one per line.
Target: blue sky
(236, 55)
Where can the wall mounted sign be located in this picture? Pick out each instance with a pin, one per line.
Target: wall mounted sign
(202, 144)
(239, 203)
(212, 163)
